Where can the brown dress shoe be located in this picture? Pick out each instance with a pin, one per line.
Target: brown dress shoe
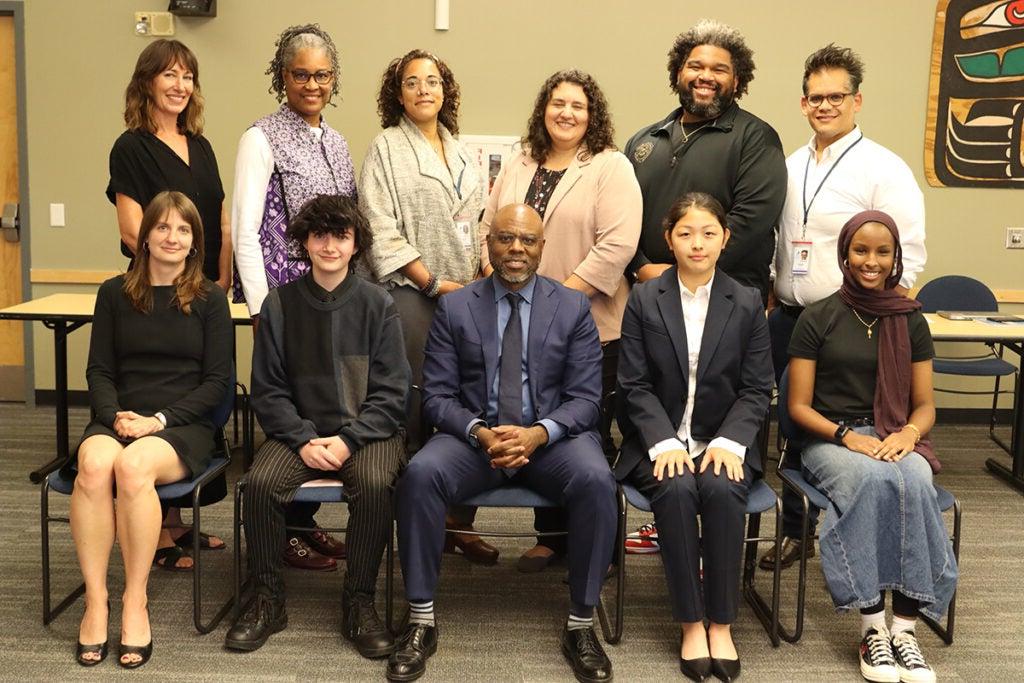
(325, 544)
(473, 548)
(790, 554)
(298, 554)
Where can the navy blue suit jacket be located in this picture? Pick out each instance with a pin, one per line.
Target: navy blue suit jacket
(734, 369)
(563, 358)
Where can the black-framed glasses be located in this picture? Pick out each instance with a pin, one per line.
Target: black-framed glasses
(834, 99)
(321, 77)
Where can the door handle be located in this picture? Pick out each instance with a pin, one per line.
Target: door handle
(10, 223)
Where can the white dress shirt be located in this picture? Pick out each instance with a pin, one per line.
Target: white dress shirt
(253, 168)
(869, 176)
(695, 313)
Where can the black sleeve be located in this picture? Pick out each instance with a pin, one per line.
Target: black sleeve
(128, 170)
(383, 410)
(639, 258)
(101, 371)
(201, 402)
(758, 196)
(921, 346)
(214, 179)
(807, 335)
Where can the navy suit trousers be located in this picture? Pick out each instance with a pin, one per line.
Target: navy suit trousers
(573, 473)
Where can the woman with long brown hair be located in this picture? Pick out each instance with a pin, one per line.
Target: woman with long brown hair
(159, 363)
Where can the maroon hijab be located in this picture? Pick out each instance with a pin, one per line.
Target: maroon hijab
(892, 387)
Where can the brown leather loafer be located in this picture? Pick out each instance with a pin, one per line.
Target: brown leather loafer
(790, 554)
(298, 554)
(325, 544)
(473, 548)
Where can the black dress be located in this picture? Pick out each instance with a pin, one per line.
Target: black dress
(164, 361)
(142, 166)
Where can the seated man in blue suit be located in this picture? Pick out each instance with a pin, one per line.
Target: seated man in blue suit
(512, 382)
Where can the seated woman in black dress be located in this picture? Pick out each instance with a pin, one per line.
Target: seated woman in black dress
(159, 363)
(695, 377)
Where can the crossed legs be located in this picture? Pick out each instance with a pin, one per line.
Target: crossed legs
(136, 469)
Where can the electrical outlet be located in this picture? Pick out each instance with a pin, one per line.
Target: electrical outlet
(1015, 238)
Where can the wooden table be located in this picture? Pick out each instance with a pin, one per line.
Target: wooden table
(65, 313)
(1011, 336)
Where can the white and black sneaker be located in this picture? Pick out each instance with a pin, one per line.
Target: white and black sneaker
(909, 660)
(876, 657)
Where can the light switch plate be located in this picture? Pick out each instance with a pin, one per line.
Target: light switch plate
(56, 215)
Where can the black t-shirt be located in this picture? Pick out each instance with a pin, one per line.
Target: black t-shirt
(142, 166)
(829, 333)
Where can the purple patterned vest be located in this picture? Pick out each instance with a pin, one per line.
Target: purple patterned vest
(304, 168)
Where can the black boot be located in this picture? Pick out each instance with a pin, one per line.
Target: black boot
(361, 624)
(265, 617)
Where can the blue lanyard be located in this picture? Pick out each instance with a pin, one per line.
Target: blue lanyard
(807, 167)
(458, 183)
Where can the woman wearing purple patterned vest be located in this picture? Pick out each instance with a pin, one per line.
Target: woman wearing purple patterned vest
(284, 160)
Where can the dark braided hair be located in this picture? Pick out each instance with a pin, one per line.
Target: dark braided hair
(288, 44)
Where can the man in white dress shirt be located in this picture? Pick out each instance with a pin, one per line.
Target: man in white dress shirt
(837, 174)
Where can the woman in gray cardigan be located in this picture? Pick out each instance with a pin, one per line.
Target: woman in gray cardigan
(422, 196)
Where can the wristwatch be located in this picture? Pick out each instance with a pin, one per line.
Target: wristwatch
(840, 433)
(473, 440)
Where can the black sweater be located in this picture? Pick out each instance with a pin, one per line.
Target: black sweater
(329, 363)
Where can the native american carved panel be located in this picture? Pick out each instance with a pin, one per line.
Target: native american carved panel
(976, 95)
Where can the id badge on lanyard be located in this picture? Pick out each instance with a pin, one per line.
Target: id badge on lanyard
(467, 235)
(801, 256)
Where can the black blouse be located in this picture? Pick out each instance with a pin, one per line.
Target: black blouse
(541, 188)
(142, 166)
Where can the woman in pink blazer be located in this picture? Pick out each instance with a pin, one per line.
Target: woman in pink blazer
(570, 171)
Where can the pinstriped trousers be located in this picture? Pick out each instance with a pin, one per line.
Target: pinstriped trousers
(369, 477)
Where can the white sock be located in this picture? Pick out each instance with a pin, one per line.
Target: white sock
(899, 624)
(872, 621)
(421, 613)
(579, 622)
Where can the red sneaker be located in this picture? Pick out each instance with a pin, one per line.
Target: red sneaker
(643, 541)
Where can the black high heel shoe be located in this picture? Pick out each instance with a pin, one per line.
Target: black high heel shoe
(143, 651)
(100, 649)
(695, 669)
(725, 669)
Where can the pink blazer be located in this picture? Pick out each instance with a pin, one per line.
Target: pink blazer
(591, 227)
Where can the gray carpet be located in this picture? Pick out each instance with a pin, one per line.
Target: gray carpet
(495, 624)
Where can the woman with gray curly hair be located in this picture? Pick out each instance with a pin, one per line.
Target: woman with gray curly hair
(284, 160)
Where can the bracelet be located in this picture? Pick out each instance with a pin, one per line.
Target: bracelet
(432, 288)
(916, 431)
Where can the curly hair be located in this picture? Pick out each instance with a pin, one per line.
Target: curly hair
(834, 57)
(389, 100)
(694, 200)
(711, 32)
(335, 215)
(293, 39)
(159, 56)
(188, 286)
(600, 131)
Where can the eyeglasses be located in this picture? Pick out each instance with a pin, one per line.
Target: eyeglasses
(834, 99)
(321, 77)
(413, 83)
(507, 239)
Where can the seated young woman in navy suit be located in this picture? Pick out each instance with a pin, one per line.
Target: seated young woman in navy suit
(695, 378)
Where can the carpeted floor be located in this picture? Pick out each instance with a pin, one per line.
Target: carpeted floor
(495, 624)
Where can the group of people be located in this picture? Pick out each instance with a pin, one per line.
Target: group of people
(587, 270)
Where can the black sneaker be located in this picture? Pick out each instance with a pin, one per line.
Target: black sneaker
(361, 624)
(876, 660)
(909, 661)
(266, 616)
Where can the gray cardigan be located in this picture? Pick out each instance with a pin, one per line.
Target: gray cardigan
(414, 205)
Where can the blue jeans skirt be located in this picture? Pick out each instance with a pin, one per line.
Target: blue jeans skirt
(883, 529)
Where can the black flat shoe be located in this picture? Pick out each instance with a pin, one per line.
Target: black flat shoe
(587, 658)
(696, 669)
(143, 651)
(409, 660)
(99, 649)
(725, 669)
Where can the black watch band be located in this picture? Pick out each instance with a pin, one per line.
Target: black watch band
(840, 433)
(473, 440)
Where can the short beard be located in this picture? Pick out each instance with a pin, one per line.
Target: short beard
(516, 279)
(711, 110)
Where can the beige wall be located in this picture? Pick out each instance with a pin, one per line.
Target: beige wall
(80, 56)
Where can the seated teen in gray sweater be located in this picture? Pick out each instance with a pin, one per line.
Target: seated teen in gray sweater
(329, 385)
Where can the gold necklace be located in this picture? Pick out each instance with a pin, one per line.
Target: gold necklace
(864, 323)
(687, 136)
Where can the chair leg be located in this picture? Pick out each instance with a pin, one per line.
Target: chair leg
(197, 572)
(946, 633)
(798, 629)
(767, 614)
(992, 419)
(613, 634)
(44, 523)
(236, 565)
(389, 579)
